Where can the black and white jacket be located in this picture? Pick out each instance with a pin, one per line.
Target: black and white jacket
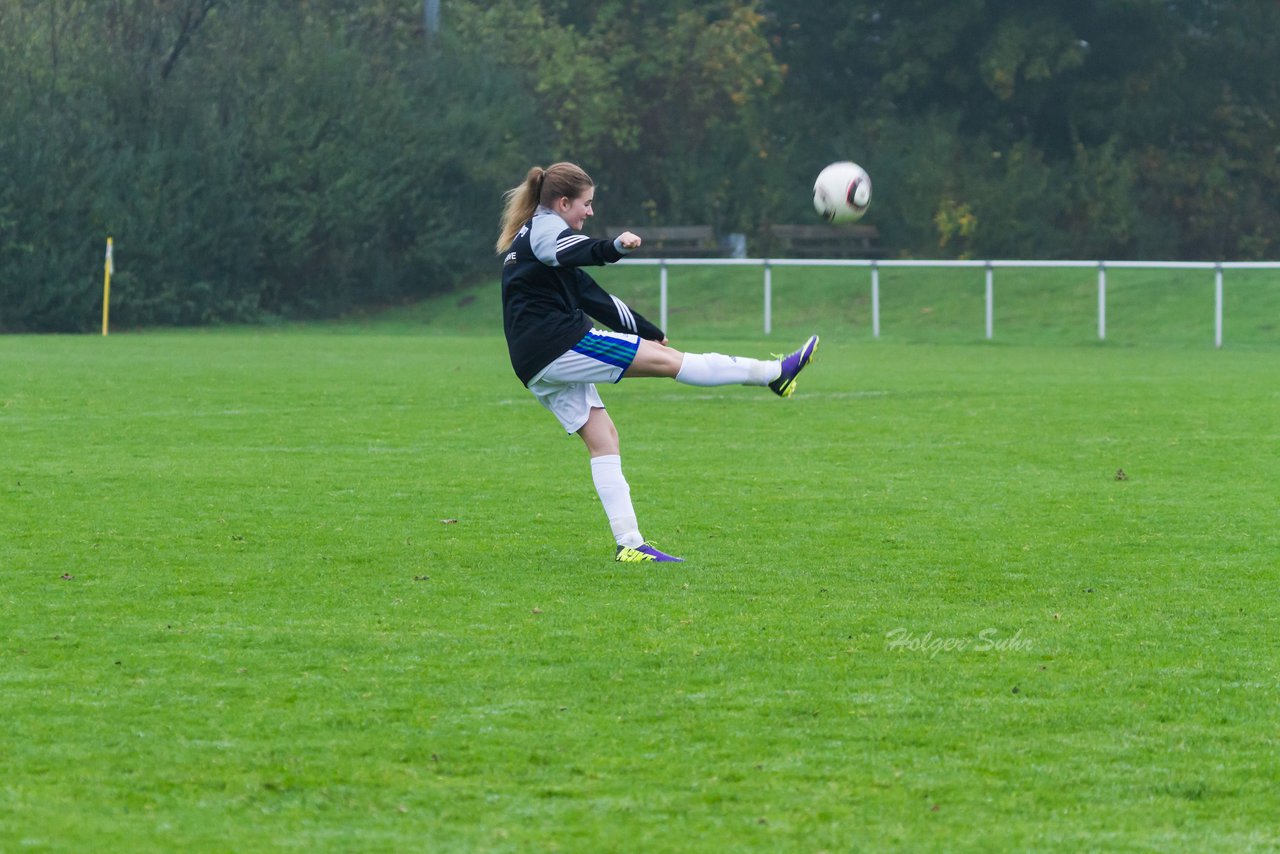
(548, 301)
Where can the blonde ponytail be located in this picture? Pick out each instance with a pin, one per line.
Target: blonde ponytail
(519, 204)
(540, 186)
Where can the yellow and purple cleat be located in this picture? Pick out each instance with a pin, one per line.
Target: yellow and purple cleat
(644, 553)
(792, 365)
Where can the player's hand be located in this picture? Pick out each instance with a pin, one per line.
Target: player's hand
(629, 241)
(664, 343)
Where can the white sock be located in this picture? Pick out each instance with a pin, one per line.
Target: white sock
(715, 369)
(615, 495)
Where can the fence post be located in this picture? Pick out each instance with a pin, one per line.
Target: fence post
(1102, 301)
(875, 300)
(662, 295)
(991, 296)
(1217, 306)
(768, 298)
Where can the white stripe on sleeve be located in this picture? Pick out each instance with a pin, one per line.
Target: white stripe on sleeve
(624, 314)
(569, 242)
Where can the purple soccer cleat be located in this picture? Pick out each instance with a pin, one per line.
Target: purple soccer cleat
(644, 553)
(792, 365)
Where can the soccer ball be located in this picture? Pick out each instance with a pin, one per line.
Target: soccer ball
(842, 192)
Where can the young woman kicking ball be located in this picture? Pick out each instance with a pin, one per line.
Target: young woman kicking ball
(548, 303)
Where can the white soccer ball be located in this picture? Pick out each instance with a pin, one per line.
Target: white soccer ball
(842, 192)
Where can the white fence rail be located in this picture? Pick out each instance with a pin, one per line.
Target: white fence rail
(989, 266)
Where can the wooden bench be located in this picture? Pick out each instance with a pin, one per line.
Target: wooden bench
(673, 241)
(819, 241)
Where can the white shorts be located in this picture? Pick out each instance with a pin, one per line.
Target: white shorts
(567, 385)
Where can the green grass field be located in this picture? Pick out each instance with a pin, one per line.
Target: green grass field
(346, 587)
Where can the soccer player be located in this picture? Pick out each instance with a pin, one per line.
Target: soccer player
(548, 302)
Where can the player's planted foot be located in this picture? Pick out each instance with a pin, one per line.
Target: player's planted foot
(792, 366)
(644, 553)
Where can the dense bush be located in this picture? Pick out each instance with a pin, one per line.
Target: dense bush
(284, 166)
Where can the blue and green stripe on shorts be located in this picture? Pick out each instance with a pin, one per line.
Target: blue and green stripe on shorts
(618, 352)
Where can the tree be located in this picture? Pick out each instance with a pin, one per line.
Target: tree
(661, 101)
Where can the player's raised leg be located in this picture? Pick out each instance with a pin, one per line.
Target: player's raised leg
(714, 369)
(701, 369)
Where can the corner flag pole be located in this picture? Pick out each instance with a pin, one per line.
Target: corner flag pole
(106, 289)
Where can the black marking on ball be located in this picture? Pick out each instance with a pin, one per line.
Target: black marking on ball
(853, 188)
